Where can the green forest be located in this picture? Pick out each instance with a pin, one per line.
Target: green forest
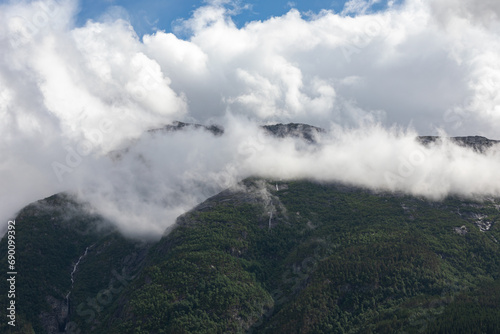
(271, 257)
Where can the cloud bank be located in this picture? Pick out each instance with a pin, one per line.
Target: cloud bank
(71, 95)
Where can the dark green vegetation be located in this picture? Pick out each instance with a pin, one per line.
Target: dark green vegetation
(51, 235)
(307, 258)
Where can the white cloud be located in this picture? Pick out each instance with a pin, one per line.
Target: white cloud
(358, 6)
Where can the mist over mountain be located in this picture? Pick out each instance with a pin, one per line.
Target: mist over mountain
(309, 172)
(149, 181)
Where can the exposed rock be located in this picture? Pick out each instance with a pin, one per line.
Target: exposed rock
(251, 192)
(55, 320)
(480, 220)
(484, 225)
(462, 230)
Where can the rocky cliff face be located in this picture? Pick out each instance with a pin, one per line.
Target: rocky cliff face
(54, 321)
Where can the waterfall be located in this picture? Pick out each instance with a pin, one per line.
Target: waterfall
(75, 267)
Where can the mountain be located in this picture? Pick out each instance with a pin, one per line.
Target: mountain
(308, 133)
(294, 130)
(216, 130)
(477, 143)
(265, 257)
(272, 257)
(66, 257)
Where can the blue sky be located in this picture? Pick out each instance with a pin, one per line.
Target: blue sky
(146, 16)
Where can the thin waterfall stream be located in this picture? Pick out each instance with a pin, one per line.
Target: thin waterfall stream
(75, 267)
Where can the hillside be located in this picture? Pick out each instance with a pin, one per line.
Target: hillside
(70, 264)
(274, 257)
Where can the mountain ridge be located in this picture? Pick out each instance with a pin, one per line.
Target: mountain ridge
(308, 133)
(268, 256)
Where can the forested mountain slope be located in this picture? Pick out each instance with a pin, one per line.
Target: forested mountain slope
(70, 263)
(268, 257)
(301, 257)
